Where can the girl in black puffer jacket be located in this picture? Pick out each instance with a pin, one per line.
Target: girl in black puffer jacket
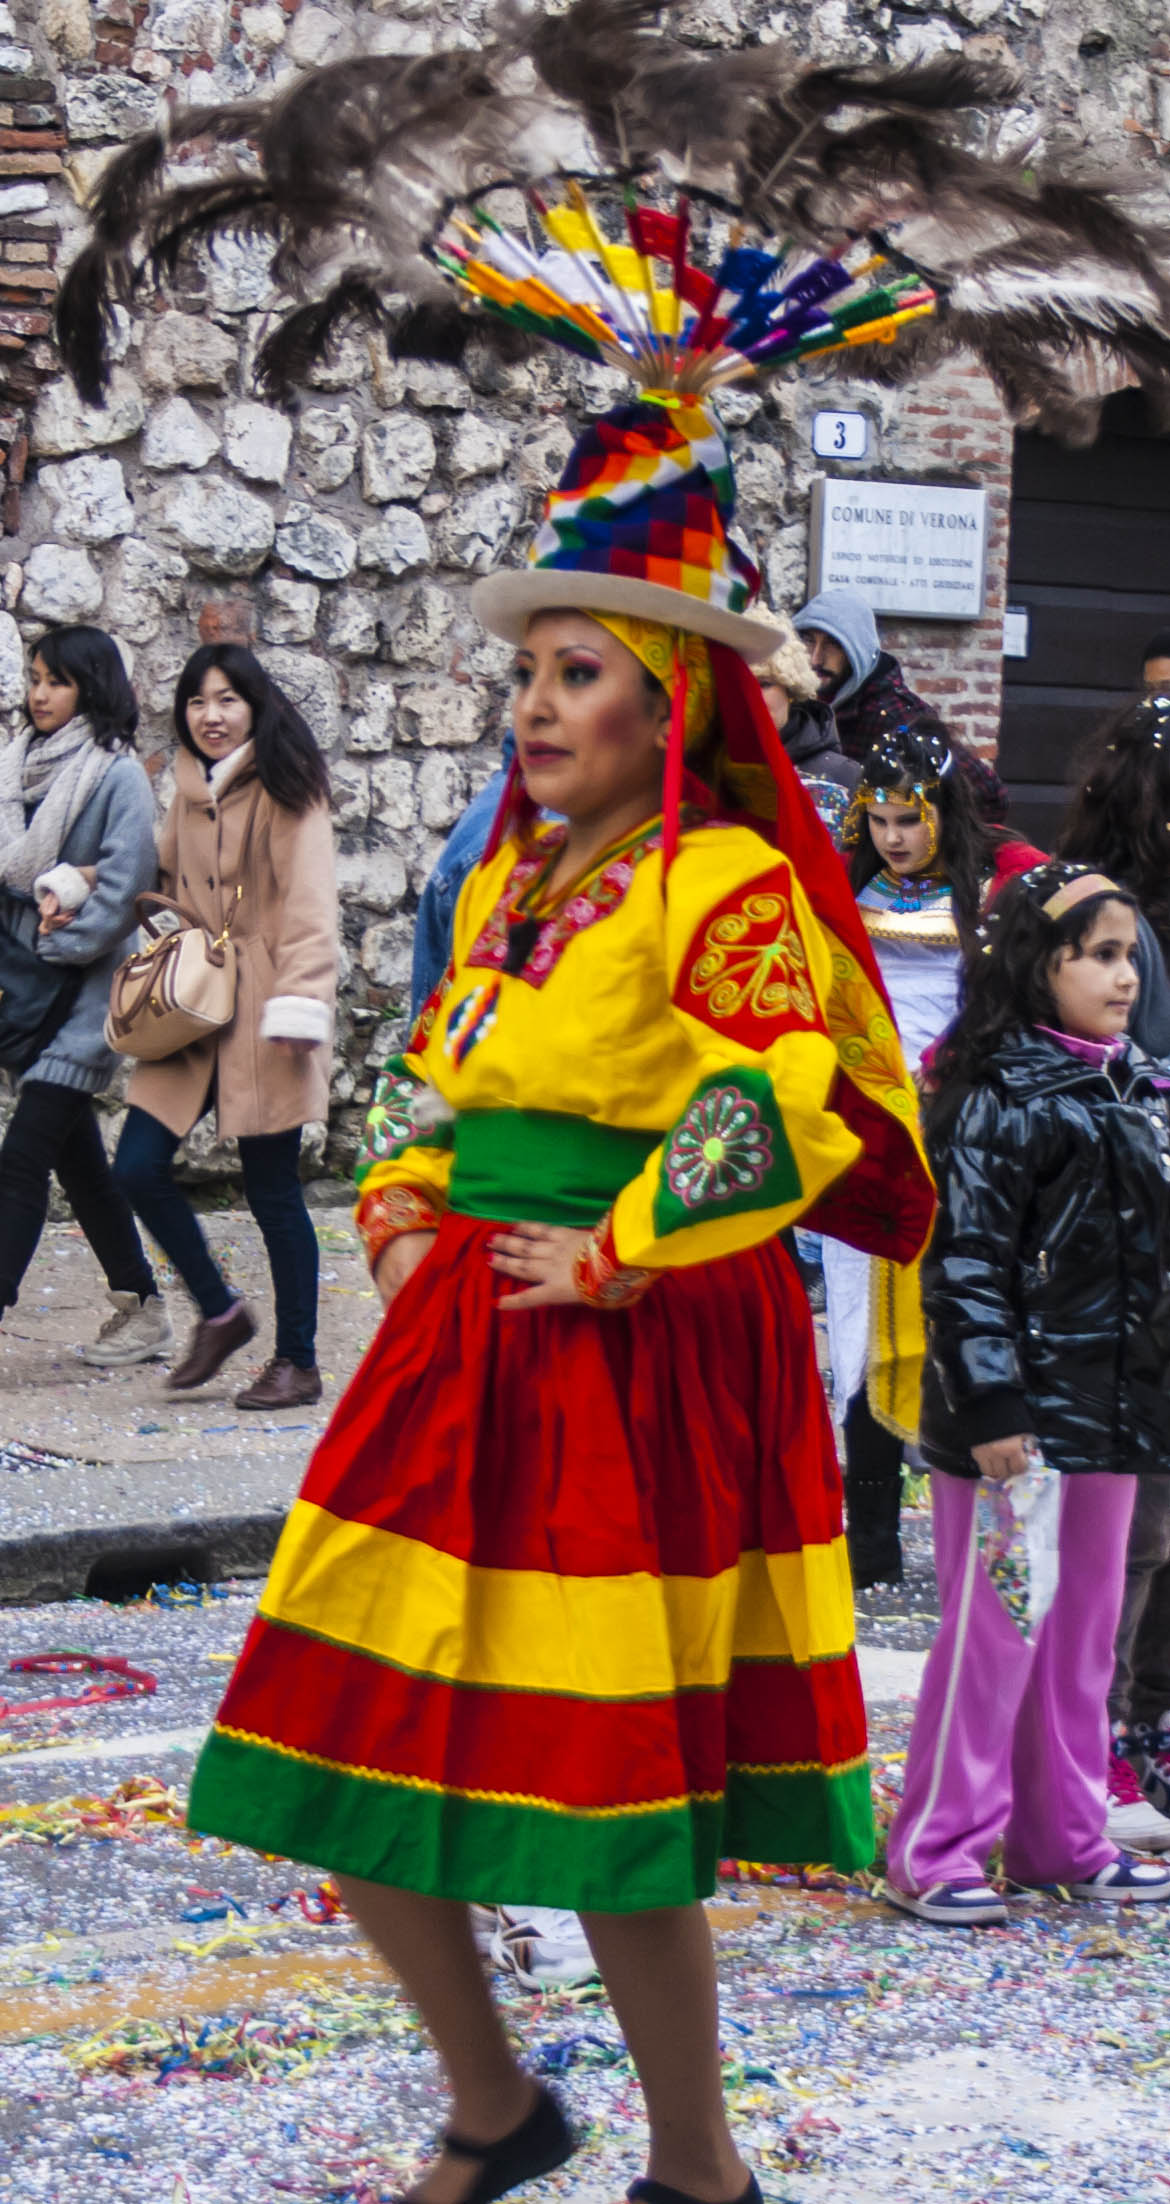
(1047, 1299)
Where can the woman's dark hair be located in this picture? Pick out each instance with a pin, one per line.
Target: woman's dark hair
(1157, 647)
(91, 658)
(1119, 818)
(1005, 983)
(288, 760)
(904, 760)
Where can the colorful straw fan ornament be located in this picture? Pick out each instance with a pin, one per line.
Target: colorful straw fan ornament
(680, 300)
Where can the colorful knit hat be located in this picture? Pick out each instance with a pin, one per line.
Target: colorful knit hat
(639, 523)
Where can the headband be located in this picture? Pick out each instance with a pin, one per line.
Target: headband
(1078, 890)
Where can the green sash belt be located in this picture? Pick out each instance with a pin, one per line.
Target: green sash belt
(514, 1164)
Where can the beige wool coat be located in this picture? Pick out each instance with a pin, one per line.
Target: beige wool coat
(285, 929)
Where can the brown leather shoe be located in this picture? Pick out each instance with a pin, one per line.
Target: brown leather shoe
(210, 1345)
(281, 1385)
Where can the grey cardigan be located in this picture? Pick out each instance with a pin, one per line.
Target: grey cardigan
(115, 832)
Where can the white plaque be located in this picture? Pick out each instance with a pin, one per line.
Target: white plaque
(840, 435)
(1015, 631)
(906, 547)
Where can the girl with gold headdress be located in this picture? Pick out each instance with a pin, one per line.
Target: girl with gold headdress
(923, 862)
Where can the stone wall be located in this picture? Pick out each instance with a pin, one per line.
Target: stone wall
(342, 535)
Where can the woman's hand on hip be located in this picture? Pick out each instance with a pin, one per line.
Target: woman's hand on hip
(398, 1261)
(1000, 1459)
(541, 1258)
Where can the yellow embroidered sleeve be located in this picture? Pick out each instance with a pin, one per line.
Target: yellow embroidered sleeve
(758, 1141)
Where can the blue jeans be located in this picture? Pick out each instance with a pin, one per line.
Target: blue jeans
(272, 1189)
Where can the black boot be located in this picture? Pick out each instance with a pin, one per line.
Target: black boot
(873, 1497)
(874, 1505)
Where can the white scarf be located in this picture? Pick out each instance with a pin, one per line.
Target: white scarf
(58, 773)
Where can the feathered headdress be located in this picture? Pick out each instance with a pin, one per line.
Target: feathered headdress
(793, 213)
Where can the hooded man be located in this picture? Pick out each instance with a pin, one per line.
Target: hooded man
(865, 686)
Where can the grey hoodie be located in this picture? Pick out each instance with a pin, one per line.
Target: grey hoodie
(845, 616)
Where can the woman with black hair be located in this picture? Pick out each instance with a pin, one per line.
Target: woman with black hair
(247, 840)
(924, 861)
(76, 848)
(1047, 1296)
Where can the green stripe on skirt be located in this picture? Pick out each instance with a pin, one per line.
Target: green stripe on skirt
(482, 1850)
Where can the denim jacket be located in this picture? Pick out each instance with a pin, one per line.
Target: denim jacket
(436, 908)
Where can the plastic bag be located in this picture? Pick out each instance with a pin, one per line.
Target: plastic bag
(1018, 1527)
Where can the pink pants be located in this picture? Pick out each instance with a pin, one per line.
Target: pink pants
(1009, 1738)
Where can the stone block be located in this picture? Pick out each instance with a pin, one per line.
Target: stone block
(88, 496)
(392, 797)
(60, 585)
(420, 624)
(188, 352)
(257, 440)
(478, 447)
(265, 28)
(398, 458)
(386, 953)
(396, 544)
(475, 530)
(350, 795)
(99, 108)
(435, 383)
(327, 441)
(371, 727)
(315, 543)
(312, 685)
(288, 610)
(351, 625)
(222, 529)
(442, 791)
(191, 26)
(178, 436)
(146, 580)
(443, 711)
(12, 673)
(375, 877)
(62, 424)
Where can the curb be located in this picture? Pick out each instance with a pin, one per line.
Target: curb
(111, 1560)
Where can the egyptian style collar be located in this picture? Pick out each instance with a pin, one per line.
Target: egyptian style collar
(919, 908)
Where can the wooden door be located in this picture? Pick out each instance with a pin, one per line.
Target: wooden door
(1089, 563)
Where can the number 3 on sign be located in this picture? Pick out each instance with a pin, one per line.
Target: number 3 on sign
(840, 435)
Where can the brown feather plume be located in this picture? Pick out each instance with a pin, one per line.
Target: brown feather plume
(351, 170)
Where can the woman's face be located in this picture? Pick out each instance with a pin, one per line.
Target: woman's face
(218, 719)
(589, 731)
(904, 837)
(53, 699)
(778, 701)
(1095, 987)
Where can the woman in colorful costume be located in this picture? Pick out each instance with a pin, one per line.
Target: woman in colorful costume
(924, 863)
(563, 1610)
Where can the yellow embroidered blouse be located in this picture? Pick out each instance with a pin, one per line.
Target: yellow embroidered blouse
(670, 1058)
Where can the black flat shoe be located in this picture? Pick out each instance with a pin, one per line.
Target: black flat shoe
(539, 2145)
(646, 2191)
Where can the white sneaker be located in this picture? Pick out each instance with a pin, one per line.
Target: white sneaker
(1132, 1822)
(137, 1331)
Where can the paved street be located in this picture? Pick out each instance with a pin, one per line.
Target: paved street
(185, 2024)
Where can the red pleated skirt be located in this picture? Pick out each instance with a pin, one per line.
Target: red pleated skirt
(562, 1614)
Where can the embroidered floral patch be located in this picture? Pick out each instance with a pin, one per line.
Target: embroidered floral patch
(746, 972)
(405, 1113)
(728, 1152)
(721, 1148)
